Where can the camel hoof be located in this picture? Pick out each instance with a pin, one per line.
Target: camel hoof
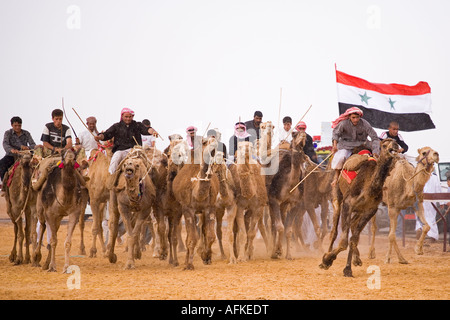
(112, 258)
(51, 269)
(372, 254)
(129, 266)
(348, 272)
(357, 262)
(163, 256)
(12, 258)
(324, 266)
(93, 253)
(82, 252)
(418, 250)
(403, 261)
(189, 267)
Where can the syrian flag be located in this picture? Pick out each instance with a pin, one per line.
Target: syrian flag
(410, 106)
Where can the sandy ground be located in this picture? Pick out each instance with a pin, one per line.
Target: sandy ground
(425, 277)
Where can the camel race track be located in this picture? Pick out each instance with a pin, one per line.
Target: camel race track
(426, 277)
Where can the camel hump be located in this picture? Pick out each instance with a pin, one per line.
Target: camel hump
(355, 161)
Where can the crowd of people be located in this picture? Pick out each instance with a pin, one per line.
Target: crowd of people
(350, 130)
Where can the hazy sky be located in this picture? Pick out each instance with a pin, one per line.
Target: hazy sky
(182, 63)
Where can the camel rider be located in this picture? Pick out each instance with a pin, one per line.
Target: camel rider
(194, 141)
(350, 131)
(126, 134)
(86, 140)
(15, 140)
(56, 138)
(240, 134)
(309, 146)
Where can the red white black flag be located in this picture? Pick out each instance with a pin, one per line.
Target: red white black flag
(410, 106)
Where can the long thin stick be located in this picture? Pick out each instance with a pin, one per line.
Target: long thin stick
(65, 114)
(292, 129)
(206, 129)
(279, 108)
(83, 122)
(292, 190)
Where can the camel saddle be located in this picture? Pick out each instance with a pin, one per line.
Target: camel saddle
(352, 165)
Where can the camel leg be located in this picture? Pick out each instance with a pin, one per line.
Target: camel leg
(251, 231)
(231, 217)
(13, 255)
(288, 223)
(393, 215)
(278, 228)
(84, 201)
(113, 227)
(425, 228)
(181, 247)
(73, 220)
(37, 256)
(324, 217)
(174, 222)
(97, 230)
(240, 235)
(336, 216)
(209, 234)
(329, 257)
(28, 241)
(219, 217)
(161, 236)
(313, 217)
(372, 243)
(263, 231)
(53, 223)
(191, 238)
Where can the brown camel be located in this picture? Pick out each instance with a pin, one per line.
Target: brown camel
(283, 202)
(60, 196)
(317, 191)
(158, 173)
(402, 189)
(21, 200)
(177, 156)
(98, 194)
(132, 199)
(250, 198)
(195, 187)
(358, 202)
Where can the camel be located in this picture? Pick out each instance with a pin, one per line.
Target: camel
(21, 199)
(357, 202)
(250, 200)
(177, 157)
(132, 199)
(290, 172)
(402, 189)
(317, 191)
(225, 199)
(60, 196)
(98, 194)
(195, 187)
(158, 173)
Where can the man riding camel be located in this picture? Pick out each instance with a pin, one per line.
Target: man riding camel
(126, 133)
(350, 131)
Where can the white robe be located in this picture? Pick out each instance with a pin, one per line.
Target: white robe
(432, 186)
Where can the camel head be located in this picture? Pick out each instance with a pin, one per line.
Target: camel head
(266, 128)
(178, 152)
(219, 166)
(427, 157)
(131, 168)
(298, 140)
(68, 158)
(245, 153)
(388, 148)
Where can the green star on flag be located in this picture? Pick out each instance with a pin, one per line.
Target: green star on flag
(392, 103)
(365, 98)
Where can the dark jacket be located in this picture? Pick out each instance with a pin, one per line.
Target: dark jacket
(398, 138)
(308, 149)
(123, 134)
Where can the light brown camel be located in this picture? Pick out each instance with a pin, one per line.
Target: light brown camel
(98, 194)
(195, 187)
(20, 202)
(358, 202)
(132, 199)
(282, 202)
(251, 198)
(226, 198)
(402, 189)
(60, 196)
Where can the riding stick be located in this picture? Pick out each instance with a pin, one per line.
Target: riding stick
(292, 190)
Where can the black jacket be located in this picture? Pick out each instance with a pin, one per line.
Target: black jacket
(123, 134)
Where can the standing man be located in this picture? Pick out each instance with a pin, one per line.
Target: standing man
(126, 134)
(86, 139)
(350, 131)
(253, 125)
(14, 140)
(56, 136)
(393, 134)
